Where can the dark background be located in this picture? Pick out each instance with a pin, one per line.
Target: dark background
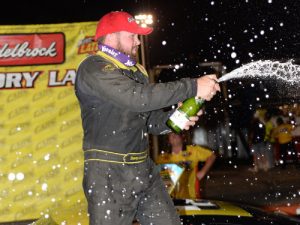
(197, 31)
(208, 30)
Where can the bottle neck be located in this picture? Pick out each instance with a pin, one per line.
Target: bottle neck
(199, 100)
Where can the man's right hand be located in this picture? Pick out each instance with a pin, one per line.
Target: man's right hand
(207, 86)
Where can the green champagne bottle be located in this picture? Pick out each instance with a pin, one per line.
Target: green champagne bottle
(190, 107)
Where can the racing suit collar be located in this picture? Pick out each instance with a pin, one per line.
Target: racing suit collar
(125, 59)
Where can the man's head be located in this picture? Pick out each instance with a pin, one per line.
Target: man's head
(120, 31)
(175, 139)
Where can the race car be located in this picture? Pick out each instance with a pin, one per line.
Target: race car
(213, 212)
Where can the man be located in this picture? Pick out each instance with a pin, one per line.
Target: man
(284, 136)
(119, 108)
(187, 156)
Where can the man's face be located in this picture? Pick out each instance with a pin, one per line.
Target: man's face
(128, 43)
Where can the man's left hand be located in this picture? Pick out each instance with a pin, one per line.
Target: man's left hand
(192, 120)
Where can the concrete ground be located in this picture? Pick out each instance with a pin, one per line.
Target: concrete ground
(236, 182)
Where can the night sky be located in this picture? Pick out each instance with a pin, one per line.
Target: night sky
(231, 31)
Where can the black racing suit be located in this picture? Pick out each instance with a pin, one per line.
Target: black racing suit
(119, 108)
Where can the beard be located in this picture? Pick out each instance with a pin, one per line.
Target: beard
(132, 53)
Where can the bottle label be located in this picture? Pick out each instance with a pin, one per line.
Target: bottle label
(179, 118)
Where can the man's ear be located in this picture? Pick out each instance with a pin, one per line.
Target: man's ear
(110, 40)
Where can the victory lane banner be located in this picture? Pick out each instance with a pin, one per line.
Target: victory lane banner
(41, 160)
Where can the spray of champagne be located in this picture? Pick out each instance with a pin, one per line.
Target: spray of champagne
(285, 71)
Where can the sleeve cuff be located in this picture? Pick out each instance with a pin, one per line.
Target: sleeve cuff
(194, 87)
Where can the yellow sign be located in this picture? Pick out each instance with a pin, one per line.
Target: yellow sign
(41, 160)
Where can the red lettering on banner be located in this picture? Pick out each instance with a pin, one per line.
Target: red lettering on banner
(87, 45)
(32, 49)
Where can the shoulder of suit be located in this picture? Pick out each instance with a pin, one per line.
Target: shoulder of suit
(104, 64)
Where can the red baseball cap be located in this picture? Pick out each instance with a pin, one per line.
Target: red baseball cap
(119, 21)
